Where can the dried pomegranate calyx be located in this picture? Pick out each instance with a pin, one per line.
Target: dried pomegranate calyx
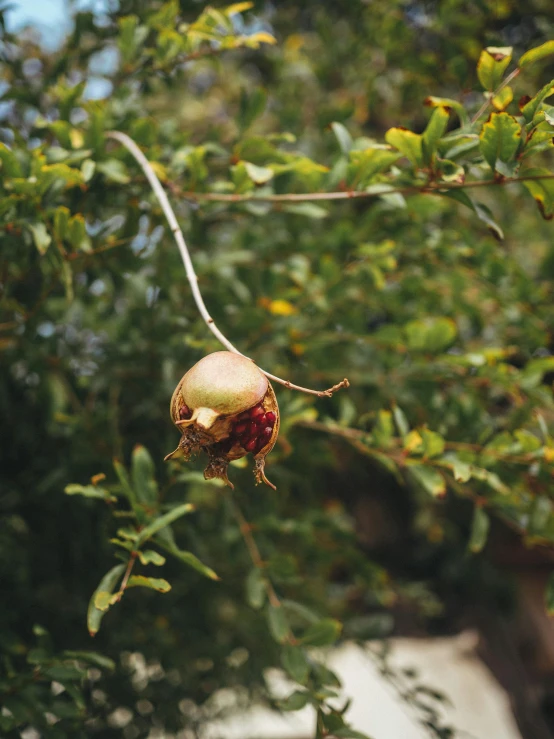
(224, 405)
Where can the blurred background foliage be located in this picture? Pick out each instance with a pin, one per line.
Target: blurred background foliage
(403, 504)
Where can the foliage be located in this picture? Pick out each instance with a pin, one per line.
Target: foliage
(351, 211)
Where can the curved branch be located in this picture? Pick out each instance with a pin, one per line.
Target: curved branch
(160, 194)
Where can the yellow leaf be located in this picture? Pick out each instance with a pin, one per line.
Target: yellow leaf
(298, 349)
(549, 454)
(282, 308)
(503, 99)
(413, 442)
(160, 171)
(262, 37)
(237, 8)
(77, 139)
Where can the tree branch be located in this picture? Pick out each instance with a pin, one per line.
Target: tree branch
(424, 189)
(160, 194)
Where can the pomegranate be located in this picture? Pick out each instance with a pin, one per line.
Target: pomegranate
(226, 407)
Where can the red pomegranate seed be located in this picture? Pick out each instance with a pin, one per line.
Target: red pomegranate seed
(240, 428)
(266, 433)
(184, 413)
(244, 416)
(261, 420)
(256, 411)
(252, 430)
(270, 417)
(251, 445)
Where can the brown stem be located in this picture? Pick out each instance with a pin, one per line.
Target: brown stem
(127, 575)
(246, 533)
(424, 189)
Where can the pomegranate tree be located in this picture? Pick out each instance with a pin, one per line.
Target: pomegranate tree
(226, 407)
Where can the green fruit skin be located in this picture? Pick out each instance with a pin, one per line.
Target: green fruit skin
(226, 383)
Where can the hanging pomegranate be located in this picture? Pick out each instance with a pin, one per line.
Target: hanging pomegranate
(225, 406)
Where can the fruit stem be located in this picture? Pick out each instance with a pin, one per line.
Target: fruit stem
(192, 277)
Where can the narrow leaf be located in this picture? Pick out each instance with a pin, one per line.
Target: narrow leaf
(429, 478)
(163, 521)
(295, 701)
(323, 633)
(295, 662)
(142, 474)
(255, 588)
(278, 623)
(107, 585)
(479, 530)
(154, 583)
(541, 190)
(536, 54)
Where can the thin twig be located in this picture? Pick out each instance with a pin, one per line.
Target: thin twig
(424, 189)
(127, 575)
(246, 533)
(160, 194)
(500, 87)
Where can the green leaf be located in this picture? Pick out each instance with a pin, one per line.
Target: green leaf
(252, 105)
(401, 421)
(492, 65)
(448, 104)
(142, 475)
(150, 557)
(92, 658)
(322, 634)
(434, 132)
(154, 583)
(539, 515)
(479, 530)
(311, 210)
(10, 163)
(536, 54)
(343, 137)
(278, 623)
(114, 171)
(324, 677)
(107, 585)
(429, 478)
(295, 663)
(77, 235)
(365, 164)
(481, 211)
(166, 540)
(431, 335)
(346, 732)
(532, 106)
(162, 521)
(407, 142)
(295, 701)
(541, 190)
(258, 175)
(41, 237)
(89, 491)
(102, 600)
(500, 139)
(125, 483)
(255, 588)
(433, 443)
(549, 595)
